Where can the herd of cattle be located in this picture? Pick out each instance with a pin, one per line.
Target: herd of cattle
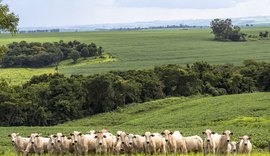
(104, 142)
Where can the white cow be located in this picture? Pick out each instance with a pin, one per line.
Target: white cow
(127, 142)
(64, 144)
(38, 143)
(232, 147)
(245, 145)
(52, 147)
(138, 142)
(222, 146)
(83, 143)
(194, 143)
(175, 142)
(20, 143)
(118, 146)
(104, 143)
(209, 142)
(154, 143)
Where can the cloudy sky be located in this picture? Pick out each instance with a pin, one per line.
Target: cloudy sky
(34, 13)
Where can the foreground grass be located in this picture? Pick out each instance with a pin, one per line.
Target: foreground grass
(146, 49)
(243, 114)
(200, 154)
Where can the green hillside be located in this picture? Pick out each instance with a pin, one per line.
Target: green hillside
(243, 114)
(146, 49)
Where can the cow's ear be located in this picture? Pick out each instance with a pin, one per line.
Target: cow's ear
(162, 133)
(203, 132)
(80, 134)
(118, 135)
(127, 134)
(28, 136)
(63, 135)
(143, 135)
(95, 136)
(152, 135)
(231, 133)
(69, 138)
(9, 135)
(54, 136)
(134, 137)
(213, 132)
(223, 133)
(171, 133)
(71, 134)
(249, 138)
(104, 136)
(181, 133)
(37, 135)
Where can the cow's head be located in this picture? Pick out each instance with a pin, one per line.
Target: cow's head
(208, 133)
(227, 134)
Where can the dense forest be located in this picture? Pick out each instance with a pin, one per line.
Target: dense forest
(35, 54)
(54, 99)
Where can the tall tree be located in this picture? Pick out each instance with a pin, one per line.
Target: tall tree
(8, 20)
(224, 30)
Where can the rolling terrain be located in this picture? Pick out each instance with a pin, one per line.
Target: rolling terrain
(243, 114)
(145, 49)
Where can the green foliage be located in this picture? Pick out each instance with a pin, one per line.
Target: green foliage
(52, 99)
(224, 30)
(35, 54)
(74, 55)
(8, 20)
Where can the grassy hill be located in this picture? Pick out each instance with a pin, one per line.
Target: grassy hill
(146, 49)
(243, 114)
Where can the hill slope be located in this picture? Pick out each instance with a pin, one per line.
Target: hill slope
(242, 114)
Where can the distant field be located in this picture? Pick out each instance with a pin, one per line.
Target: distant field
(149, 48)
(243, 114)
(17, 76)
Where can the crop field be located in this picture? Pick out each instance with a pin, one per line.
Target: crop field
(145, 49)
(242, 114)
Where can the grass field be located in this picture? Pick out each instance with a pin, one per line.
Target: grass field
(146, 49)
(243, 114)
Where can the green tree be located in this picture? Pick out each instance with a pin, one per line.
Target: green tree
(224, 30)
(74, 55)
(85, 52)
(8, 20)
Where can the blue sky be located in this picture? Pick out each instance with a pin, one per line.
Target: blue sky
(34, 13)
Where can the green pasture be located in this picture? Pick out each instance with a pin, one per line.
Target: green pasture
(242, 114)
(147, 48)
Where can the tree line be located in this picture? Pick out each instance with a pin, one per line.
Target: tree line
(53, 99)
(36, 54)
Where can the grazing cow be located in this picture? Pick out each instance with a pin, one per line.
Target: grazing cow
(232, 147)
(209, 142)
(175, 142)
(245, 146)
(138, 142)
(38, 143)
(194, 144)
(104, 143)
(154, 143)
(20, 143)
(64, 144)
(222, 146)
